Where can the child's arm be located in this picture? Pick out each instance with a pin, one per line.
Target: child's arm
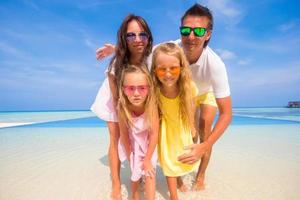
(153, 139)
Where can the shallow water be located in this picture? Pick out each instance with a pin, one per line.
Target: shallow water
(256, 158)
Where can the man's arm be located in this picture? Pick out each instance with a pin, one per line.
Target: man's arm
(224, 119)
(105, 51)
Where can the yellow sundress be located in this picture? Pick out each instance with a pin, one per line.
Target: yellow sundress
(172, 138)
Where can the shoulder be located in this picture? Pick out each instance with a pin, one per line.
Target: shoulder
(210, 60)
(212, 57)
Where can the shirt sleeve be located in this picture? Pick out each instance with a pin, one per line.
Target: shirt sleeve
(219, 78)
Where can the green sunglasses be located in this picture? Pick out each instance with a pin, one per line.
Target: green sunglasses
(198, 31)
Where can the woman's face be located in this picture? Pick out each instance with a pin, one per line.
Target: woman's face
(136, 38)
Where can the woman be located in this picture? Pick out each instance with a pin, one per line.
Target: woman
(134, 44)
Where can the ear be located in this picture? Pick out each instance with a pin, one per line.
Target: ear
(207, 35)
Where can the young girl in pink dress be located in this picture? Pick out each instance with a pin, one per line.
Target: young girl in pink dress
(138, 111)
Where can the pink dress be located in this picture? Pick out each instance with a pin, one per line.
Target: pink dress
(139, 141)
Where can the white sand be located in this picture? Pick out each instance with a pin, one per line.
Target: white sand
(249, 162)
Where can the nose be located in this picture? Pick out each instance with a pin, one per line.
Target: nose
(168, 73)
(137, 38)
(136, 92)
(191, 35)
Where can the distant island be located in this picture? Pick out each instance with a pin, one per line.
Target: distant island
(294, 104)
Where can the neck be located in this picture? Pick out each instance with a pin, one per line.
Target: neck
(170, 92)
(137, 111)
(194, 56)
(135, 60)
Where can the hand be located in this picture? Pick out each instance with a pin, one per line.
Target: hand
(195, 153)
(148, 169)
(105, 51)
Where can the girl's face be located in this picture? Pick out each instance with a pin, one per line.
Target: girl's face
(167, 69)
(136, 38)
(136, 87)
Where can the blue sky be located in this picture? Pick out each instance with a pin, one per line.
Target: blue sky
(47, 48)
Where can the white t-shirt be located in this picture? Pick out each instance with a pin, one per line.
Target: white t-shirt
(209, 73)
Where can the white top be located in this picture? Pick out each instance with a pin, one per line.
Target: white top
(209, 73)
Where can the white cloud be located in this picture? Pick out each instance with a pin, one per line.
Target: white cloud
(95, 3)
(226, 54)
(287, 26)
(11, 50)
(89, 43)
(32, 4)
(224, 7)
(262, 76)
(246, 61)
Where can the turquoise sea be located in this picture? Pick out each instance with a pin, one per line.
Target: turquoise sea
(48, 119)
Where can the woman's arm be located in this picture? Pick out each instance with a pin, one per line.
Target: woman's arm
(124, 136)
(122, 123)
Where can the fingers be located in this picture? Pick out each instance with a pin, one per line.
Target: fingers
(150, 173)
(189, 147)
(185, 157)
(104, 51)
(100, 53)
(190, 160)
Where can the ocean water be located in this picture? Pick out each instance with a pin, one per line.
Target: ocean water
(287, 114)
(241, 116)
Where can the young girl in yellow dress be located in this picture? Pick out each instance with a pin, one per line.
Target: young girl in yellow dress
(171, 75)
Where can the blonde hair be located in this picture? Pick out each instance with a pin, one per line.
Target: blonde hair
(186, 98)
(150, 102)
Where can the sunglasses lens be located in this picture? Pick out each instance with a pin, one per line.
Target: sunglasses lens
(185, 31)
(160, 72)
(143, 36)
(130, 36)
(174, 71)
(130, 89)
(199, 31)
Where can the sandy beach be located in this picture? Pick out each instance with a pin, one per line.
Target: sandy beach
(248, 162)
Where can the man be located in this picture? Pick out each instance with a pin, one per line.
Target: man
(209, 74)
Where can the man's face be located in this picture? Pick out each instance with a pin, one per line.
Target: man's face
(192, 43)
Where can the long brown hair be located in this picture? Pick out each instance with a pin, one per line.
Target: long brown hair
(186, 94)
(122, 54)
(150, 102)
